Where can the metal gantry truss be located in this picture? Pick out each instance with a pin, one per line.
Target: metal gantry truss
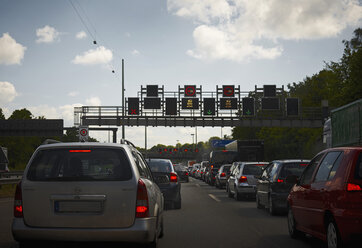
(112, 115)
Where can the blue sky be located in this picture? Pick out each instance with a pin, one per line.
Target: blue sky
(47, 69)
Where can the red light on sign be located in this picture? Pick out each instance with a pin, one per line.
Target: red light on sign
(190, 90)
(228, 90)
(165, 150)
(185, 150)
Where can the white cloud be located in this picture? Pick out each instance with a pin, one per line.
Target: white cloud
(47, 34)
(7, 93)
(128, 35)
(81, 35)
(100, 55)
(237, 29)
(11, 52)
(93, 101)
(73, 93)
(135, 52)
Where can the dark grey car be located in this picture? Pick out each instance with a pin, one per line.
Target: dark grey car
(272, 190)
(170, 188)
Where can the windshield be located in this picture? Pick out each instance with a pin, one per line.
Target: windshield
(252, 169)
(292, 169)
(159, 165)
(77, 164)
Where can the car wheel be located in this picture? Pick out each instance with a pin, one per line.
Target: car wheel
(237, 196)
(293, 232)
(333, 237)
(230, 195)
(258, 205)
(272, 209)
(177, 204)
(162, 230)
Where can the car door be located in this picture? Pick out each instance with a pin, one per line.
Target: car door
(264, 184)
(316, 199)
(231, 180)
(300, 194)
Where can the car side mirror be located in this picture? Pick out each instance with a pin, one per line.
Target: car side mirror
(291, 179)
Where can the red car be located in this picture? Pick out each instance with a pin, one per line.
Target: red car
(326, 202)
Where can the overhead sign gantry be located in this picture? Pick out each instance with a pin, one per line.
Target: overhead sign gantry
(190, 105)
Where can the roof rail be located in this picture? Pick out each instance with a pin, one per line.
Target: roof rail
(127, 142)
(50, 141)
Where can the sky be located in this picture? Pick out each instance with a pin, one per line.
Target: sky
(49, 63)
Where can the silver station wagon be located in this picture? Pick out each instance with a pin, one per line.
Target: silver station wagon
(88, 192)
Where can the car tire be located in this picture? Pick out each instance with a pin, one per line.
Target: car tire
(293, 232)
(177, 204)
(230, 195)
(272, 209)
(257, 200)
(333, 237)
(237, 196)
(162, 230)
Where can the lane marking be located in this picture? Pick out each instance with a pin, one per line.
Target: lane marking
(215, 198)
(197, 185)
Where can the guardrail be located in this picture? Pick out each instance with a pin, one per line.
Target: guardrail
(12, 177)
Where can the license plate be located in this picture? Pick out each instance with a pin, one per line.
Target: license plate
(78, 206)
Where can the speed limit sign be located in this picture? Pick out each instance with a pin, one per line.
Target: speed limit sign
(83, 133)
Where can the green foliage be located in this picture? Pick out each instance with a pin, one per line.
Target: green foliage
(339, 82)
(22, 114)
(2, 116)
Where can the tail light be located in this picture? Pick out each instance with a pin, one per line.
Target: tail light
(173, 177)
(223, 174)
(202, 172)
(142, 200)
(187, 174)
(280, 181)
(18, 202)
(243, 179)
(353, 187)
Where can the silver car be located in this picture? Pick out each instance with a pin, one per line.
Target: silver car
(88, 192)
(242, 180)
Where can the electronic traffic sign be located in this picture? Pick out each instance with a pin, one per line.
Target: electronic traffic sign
(152, 103)
(190, 103)
(248, 106)
(152, 90)
(228, 103)
(190, 90)
(171, 106)
(270, 90)
(292, 106)
(228, 91)
(133, 106)
(209, 106)
(270, 103)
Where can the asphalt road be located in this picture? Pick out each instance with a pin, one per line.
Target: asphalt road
(208, 218)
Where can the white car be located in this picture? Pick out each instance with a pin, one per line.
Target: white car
(88, 192)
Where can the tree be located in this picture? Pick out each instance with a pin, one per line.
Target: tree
(2, 116)
(22, 114)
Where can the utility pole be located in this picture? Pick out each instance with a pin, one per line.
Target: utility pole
(123, 107)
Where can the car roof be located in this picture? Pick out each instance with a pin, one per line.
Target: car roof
(290, 160)
(82, 144)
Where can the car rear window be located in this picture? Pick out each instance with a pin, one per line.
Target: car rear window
(252, 169)
(160, 165)
(179, 167)
(226, 168)
(292, 169)
(83, 164)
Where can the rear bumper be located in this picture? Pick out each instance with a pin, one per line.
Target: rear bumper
(349, 223)
(171, 192)
(142, 231)
(280, 200)
(249, 190)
